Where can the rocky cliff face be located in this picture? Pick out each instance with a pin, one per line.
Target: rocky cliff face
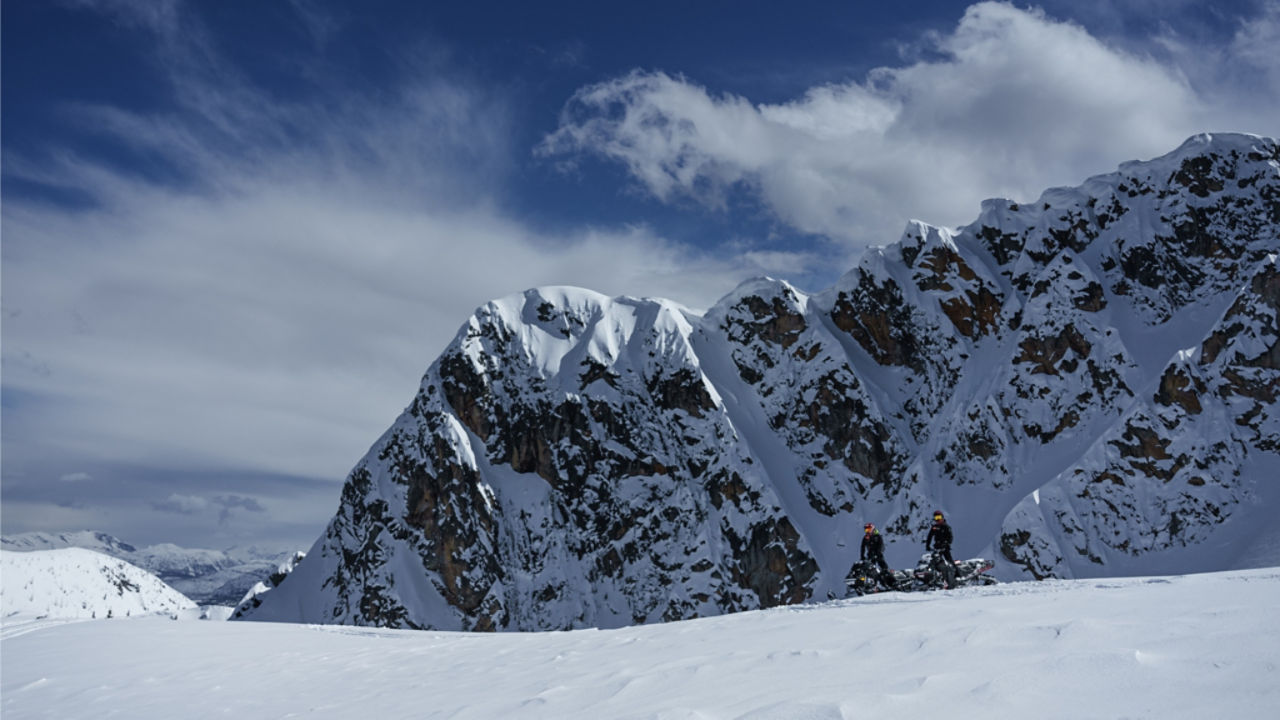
(1086, 384)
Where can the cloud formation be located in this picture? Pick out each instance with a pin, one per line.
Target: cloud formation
(1010, 102)
(181, 504)
(195, 504)
(234, 502)
(266, 298)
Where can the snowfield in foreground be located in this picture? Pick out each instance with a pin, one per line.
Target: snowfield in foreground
(1191, 646)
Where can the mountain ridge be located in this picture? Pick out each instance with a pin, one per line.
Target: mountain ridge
(575, 460)
(209, 577)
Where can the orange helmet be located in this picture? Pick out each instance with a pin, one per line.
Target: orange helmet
(869, 528)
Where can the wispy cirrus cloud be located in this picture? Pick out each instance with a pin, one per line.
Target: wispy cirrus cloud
(260, 284)
(1009, 102)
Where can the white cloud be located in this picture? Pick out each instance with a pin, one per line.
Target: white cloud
(279, 330)
(1255, 49)
(275, 310)
(1009, 103)
(76, 477)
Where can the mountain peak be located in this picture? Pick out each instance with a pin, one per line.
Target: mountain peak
(1209, 143)
(575, 460)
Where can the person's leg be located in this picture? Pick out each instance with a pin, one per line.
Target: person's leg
(886, 574)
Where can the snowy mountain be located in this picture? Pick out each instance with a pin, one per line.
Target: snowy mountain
(78, 583)
(210, 577)
(86, 539)
(253, 598)
(1200, 646)
(1085, 384)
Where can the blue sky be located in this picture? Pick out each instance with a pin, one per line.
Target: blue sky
(236, 233)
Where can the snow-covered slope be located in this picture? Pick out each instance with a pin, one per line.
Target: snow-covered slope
(1085, 384)
(253, 596)
(1204, 646)
(78, 583)
(210, 577)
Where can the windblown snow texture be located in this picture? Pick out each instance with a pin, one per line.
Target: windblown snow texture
(1086, 385)
(1196, 646)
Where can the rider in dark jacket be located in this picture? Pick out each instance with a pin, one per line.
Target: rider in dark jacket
(939, 538)
(873, 547)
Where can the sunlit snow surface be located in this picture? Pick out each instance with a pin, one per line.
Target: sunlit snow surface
(79, 583)
(1202, 646)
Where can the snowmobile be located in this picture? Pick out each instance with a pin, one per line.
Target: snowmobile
(931, 573)
(866, 577)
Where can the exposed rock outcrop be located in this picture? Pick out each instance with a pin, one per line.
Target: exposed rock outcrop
(1087, 384)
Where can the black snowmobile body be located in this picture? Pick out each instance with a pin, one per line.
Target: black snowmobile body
(931, 573)
(867, 577)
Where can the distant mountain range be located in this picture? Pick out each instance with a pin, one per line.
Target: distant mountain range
(209, 577)
(1085, 384)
